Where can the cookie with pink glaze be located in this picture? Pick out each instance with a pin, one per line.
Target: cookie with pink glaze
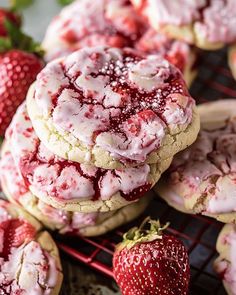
(87, 224)
(29, 262)
(208, 24)
(201, 179)
(113, 108)
(225, 264)
(91, 23)
(69, 185)
(177, 52)
(232, 59)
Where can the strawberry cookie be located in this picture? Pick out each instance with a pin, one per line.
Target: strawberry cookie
(29, 259)
(87, 224)
(91, 23)
(69, 185)
(225, 264)
(179, 53)
(201, 179)
(113, 108)
(232, 59)
(208, 24)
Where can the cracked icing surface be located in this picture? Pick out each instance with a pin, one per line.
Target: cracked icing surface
(54, 177)
(207, 23)
(177, 52)
(88, 224)
(109, 101)
(91, 23)
(204, 175)
(225, 264)
(26, 265)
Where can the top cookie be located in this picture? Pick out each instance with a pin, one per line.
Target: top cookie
(112, 107)
(209, 24)
(91, 23)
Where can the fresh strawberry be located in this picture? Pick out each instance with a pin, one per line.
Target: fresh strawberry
(15, 232)
(20, 63)
(149, 262)
(10, 16)
(18, 69)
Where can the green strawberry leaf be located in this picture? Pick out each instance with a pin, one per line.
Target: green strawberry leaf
(19, 40)
(20, 4)
(64, 2)
(5, 44)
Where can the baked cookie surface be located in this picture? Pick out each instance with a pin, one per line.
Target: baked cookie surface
(207, 24)
(201, 179)
(112, 108)
(30, 262)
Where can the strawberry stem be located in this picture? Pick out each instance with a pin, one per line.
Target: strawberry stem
(18, 40)
(148, 231)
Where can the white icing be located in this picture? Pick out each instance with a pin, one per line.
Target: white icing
(29, 268)
(134, 147)
(224, 199)
(150, 72)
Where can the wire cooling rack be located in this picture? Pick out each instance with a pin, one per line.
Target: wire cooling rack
(199, 234)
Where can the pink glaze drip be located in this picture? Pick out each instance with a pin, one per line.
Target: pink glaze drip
(115, 99)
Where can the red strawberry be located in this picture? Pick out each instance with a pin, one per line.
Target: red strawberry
(18, 69)
(10, 16)
(15, 233)
(149, 262)
(20, 63)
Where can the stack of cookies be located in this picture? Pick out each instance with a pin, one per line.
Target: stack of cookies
(98, 129)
